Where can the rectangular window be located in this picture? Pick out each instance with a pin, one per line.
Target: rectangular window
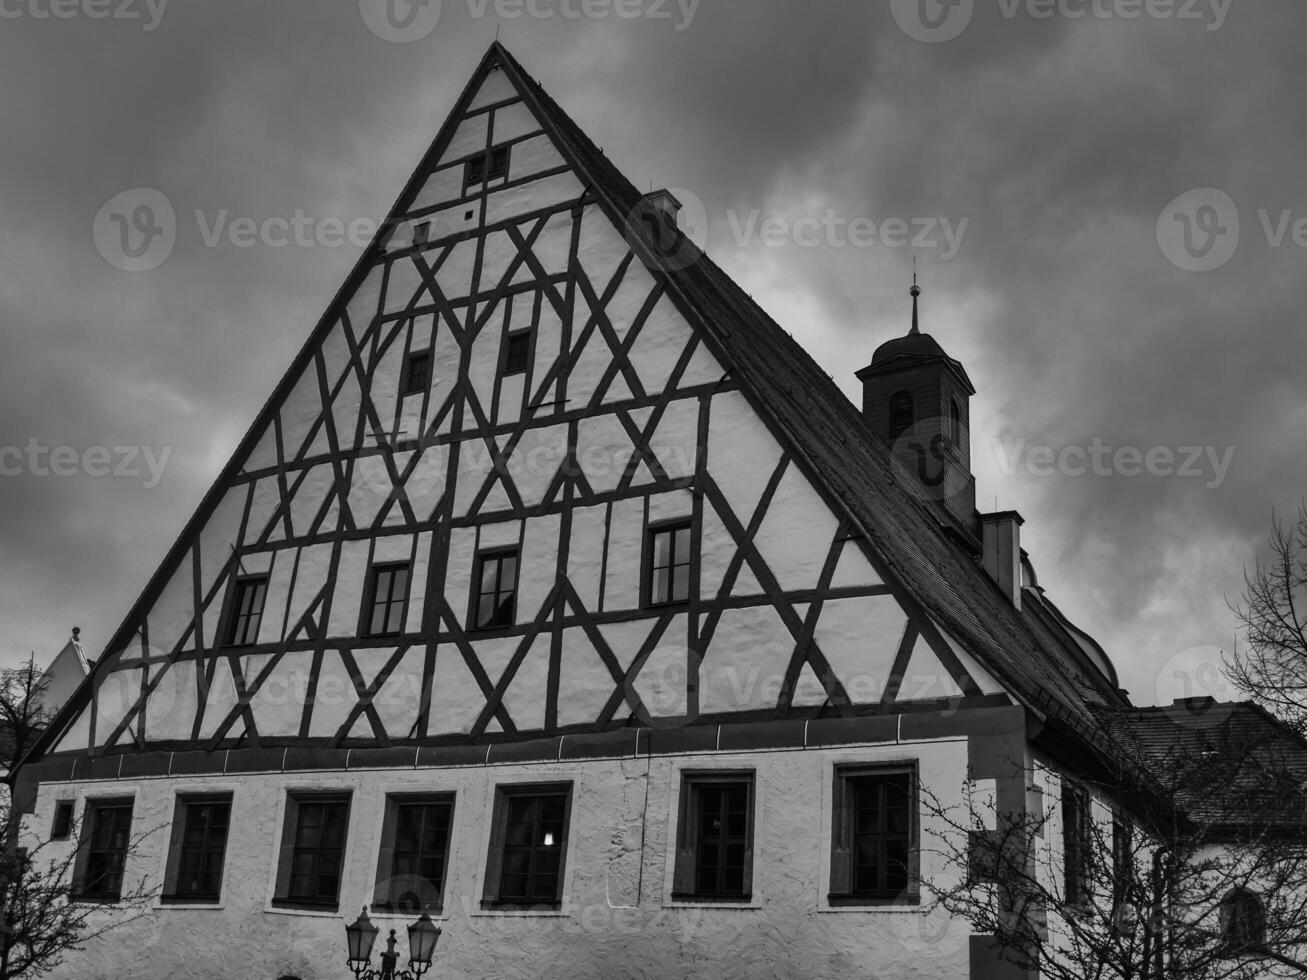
(63, 820)
(1123, 858)
(494, 603)
(106, 839)
(417, 372)
(485, 167)
(414, 853)
(386, 601)
(667, 564)
(874, 837)
(247, 611)
(714, 841)
(528, 845)
(1075, 844)
(421, 232)
(198, 848)
(517, 355)
(312, 850)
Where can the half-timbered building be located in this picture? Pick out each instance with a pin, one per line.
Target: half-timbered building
(558, 592)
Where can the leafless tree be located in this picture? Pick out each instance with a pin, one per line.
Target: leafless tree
(1198, 872)
(1271, 667)
(40, 917)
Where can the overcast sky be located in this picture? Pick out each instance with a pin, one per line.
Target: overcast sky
(1032, 152)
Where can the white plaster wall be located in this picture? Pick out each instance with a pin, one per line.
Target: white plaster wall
(618, 920)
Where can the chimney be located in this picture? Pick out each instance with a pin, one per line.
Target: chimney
(664, 202)
(1001, 549)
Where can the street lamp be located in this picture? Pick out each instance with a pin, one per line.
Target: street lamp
(362, 935)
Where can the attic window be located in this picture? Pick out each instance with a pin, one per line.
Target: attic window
(900, 414)
(488, 166)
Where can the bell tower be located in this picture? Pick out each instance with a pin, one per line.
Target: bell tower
(917, 399)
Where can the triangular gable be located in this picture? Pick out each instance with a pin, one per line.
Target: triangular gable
(624, 401)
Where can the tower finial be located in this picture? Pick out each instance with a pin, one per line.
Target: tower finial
(914, 292)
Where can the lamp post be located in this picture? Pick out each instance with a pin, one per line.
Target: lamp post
(362, 935)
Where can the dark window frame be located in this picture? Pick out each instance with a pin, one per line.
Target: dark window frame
(511, 366)
(236, 629)
(1243, 922)
(61, 823)
(418, 366)
(1077, 845)
(296, 801)
(370, 603)
(493, 893)
(685, 879)
(651, 535)
(186, 804)
(90, 855)
(844, 830)
(483, 557)
(383, 893)
(487, 166)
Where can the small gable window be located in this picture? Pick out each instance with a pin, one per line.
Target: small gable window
(1243, 921)
(667, 564)
(900, 414)
(485, 167)
(517, 355)
(495, 598)
(247, 611)
(417, 372)
(387, 600)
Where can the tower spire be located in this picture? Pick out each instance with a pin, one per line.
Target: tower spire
(914, 292)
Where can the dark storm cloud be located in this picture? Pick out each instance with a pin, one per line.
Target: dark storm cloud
(1051, 144)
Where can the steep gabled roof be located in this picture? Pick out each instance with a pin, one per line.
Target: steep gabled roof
(928, 566)
(1038, 661)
